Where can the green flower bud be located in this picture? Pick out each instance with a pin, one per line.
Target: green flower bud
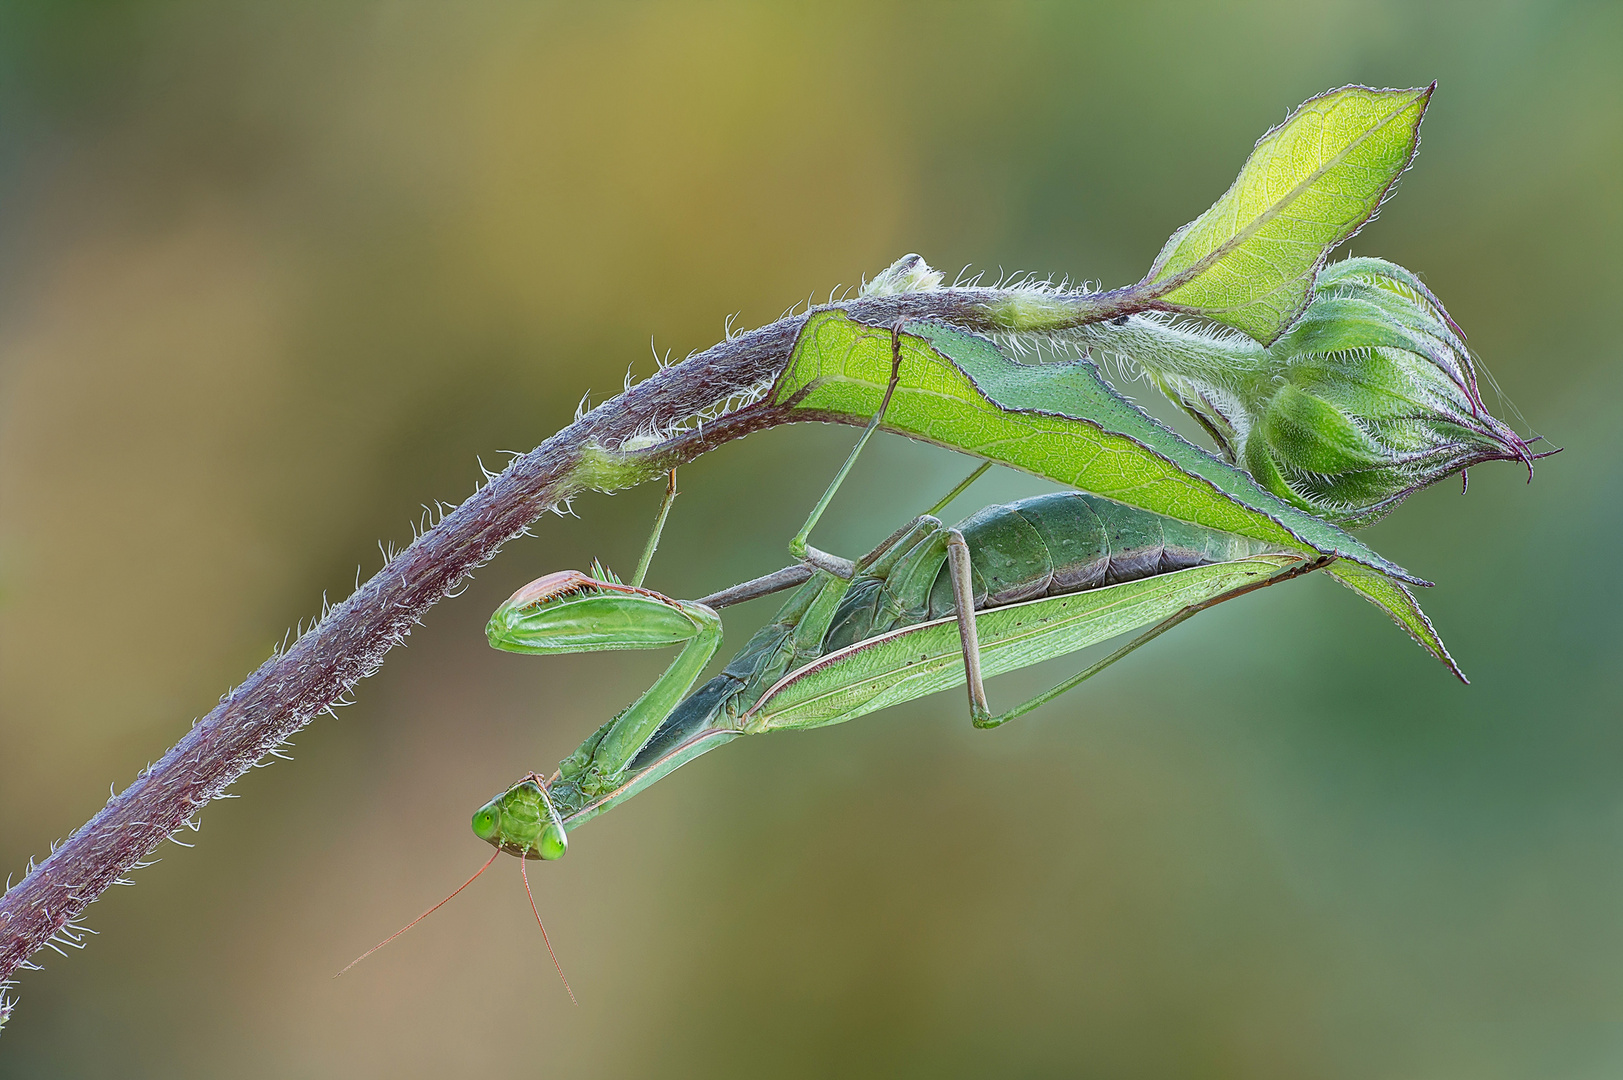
(1369, 397)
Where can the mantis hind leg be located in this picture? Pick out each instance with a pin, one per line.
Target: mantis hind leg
(963, 599)
(986, 720)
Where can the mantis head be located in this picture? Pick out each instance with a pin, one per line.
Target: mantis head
(522, 821)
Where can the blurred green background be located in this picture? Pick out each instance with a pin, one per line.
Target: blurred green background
(272, 276)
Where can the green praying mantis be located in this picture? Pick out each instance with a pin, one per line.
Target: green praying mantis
(929, 608)
(932, 607)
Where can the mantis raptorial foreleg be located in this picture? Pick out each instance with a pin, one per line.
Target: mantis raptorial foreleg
(571, 612)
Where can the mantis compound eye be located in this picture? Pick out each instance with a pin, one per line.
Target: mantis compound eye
(553, 842)
(487, 822)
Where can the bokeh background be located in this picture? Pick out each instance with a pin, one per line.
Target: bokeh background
(274, 276)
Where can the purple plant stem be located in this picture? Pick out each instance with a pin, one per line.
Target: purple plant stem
(290, 689)
(348, 644)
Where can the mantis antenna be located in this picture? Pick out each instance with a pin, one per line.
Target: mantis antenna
(431, 911)
(525, 874)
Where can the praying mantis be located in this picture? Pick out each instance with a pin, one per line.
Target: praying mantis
(929, 608)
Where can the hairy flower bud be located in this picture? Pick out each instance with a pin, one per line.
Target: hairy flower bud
(908, 274)
(1369, 397)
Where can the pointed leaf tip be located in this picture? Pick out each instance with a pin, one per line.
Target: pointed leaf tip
(1399, 603)
(1310, 184)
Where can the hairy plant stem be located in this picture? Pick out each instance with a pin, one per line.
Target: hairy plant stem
(1223, 359)
(348, 644)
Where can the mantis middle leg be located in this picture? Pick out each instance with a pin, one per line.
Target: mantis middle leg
(791, 576)
(798, 546)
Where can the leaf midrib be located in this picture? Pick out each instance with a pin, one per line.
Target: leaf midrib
(1201, 265)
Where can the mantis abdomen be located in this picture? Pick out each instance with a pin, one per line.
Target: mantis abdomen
(1049, 545)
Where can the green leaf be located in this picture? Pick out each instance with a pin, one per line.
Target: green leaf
(1311, 183)
(1391, 597)
(1060, 420)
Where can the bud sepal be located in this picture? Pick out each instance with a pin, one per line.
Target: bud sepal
(1370, 396)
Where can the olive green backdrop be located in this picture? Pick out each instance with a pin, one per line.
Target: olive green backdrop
(273, 276)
